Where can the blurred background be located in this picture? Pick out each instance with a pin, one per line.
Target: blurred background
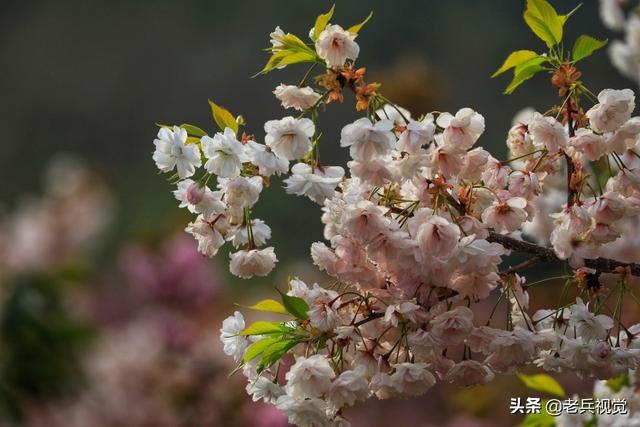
(109, 317)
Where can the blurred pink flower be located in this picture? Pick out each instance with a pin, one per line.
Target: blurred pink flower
(260, 414)
(175, 275)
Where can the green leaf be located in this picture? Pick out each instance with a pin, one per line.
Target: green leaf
(282, 58)
(293, 42)
(538, 420)
(269, 305)
(193, 130)
(258, 347)
(616, 384)
(275, 352)
(542, 419)
(321, 22)
(585, 46)
(295, 306)
(544, 21)
(223, 118)
(524, 72)
(514, 59)
(292, 51)
(356, 28)
(261, 327)
(544, 383)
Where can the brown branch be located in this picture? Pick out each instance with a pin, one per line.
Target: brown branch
(372, 316)
(522, 266)
(601, 265)
(571, 193)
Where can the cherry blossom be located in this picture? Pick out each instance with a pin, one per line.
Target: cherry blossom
(316, 184)
(303, 412)
(289, 138)
(548, 132)
(506, 216)
(173, 151)
(299, 98)
(225, 154)
(266, 160)
(199, 199)
(469, 373)
(588, 145)
(407, 380)
(417, 134)
(260, 233)
(614, 108)
(349, 387)
(463, 129)
(234, 344)
(309, 377)
(335, 45)
(367, 140)
(252, 262)
(209, 235)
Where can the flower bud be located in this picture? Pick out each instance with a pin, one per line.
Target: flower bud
(195, 193)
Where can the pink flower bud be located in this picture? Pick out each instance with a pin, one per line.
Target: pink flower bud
(195, 193)
(601, 350)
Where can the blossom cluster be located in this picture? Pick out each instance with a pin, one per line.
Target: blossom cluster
(415, 235)
(584, 228)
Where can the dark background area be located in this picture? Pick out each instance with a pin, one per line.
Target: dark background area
(92, 78)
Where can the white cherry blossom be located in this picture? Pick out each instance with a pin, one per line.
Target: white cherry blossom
(463, 129)
(199, 199)
(234, 344)
(303, 412)
(209, 234)
(407, 379)
(348, 388)
(367, 140)
(299, 98)
(265, 389)
(417, 134)
(506, 216)
(588, 145)
(335, 45)
(612, 111)
(309, 377)
(266, 160)
(225, 154)
(469, 373)
(252, 262)
(241, 192)
(260, 232)
(289, 138)
(173, 151)
(316, 183)
(547, 132)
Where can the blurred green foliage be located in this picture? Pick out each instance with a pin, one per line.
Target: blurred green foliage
(41, 343)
